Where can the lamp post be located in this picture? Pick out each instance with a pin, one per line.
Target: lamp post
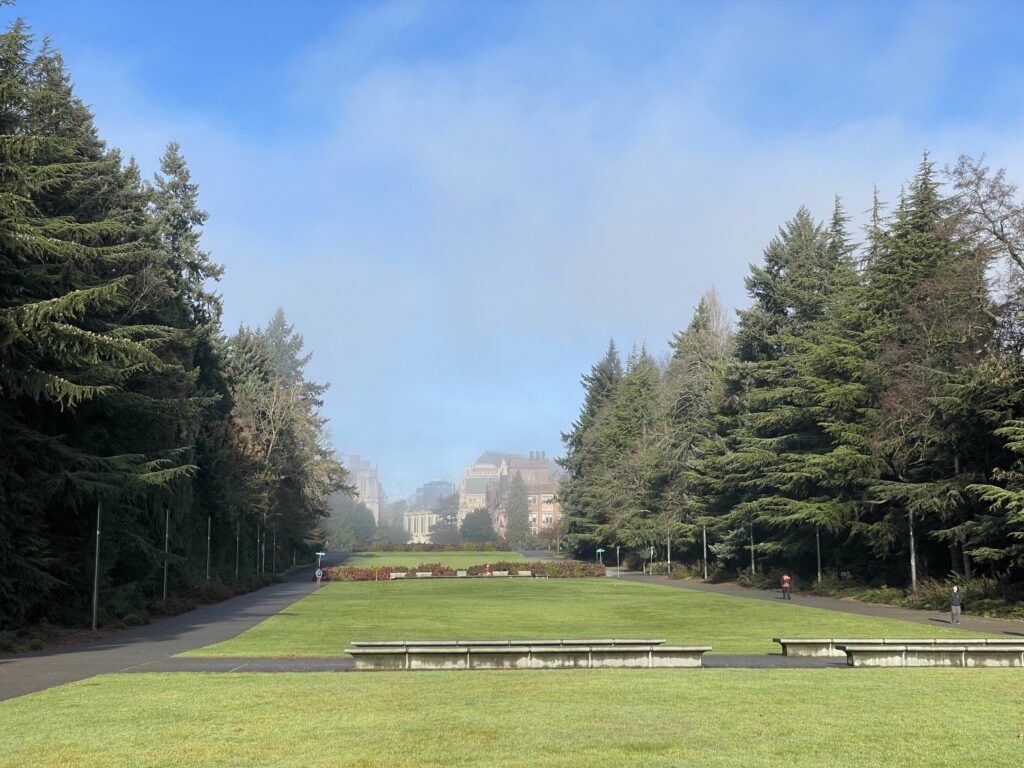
(96, 567)
(600, 555)
(705, 531)
(618, 568)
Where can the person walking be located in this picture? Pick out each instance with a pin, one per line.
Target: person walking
(319, 575)
(955, 601)
(787, 584)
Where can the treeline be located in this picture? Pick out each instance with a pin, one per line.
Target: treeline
(864, 418)
(123, 407)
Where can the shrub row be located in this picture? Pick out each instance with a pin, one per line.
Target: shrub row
(469, 546)
(561, 569)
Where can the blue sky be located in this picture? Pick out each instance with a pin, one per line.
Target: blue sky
(459, 203)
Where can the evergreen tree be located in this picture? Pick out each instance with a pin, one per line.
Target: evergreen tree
(82, 345)
(179, 221)
(926, 292)
(690, 398)
(766, 475)
(517, 533)
(598, 385)
(477, 527)
(620, 473)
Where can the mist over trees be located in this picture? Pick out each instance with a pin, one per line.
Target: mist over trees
(864, 417)
(123, 406)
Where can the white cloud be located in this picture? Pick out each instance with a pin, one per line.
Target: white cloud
(458, 242)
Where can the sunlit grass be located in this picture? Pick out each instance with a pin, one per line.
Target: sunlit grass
(657, 718)
(323, 623)
(457, 559)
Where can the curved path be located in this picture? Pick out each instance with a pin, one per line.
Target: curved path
(152, 648)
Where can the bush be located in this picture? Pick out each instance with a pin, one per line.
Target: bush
(468, 546)
(489, 546)
(688, 571)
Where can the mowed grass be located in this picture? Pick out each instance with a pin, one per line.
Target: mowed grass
(653, 718)
(454, 560)
(323, 623)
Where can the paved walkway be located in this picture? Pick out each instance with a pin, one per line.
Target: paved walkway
(138, 649)
(152, 648)
(931, 618)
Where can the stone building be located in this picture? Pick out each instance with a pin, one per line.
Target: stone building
(477, 480)
(487, 482)
(363, 475)
(417, 522)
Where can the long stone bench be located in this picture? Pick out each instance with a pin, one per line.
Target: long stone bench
(502, 643)
(832, 647)
(935, 655)
(522, 654)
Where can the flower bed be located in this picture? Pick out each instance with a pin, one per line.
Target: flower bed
(560, 569)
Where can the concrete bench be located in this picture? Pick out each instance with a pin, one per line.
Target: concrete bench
(522, 654)
(501, 643)
(524, 573)
(393, 576)
(499, 573)
(424, 574)
(935, 655)
(832, 647)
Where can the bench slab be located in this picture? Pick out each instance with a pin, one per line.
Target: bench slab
(513, 654)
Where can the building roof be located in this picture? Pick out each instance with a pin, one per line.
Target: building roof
(494, 458)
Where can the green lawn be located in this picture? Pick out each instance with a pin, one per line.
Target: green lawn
(651, 718)
(323, 623)
(451, 559)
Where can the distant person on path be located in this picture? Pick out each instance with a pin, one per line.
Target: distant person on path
(786, 587)
(954, 605)
(319, 575)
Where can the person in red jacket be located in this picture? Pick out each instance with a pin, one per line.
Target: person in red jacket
(786, 587)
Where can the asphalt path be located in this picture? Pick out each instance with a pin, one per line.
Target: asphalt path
(136, 650)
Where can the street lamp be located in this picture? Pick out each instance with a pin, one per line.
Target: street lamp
(618, 569)
(318, 556)
(600, 555)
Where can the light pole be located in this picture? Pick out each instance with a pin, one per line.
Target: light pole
(167, 546)
(618, 568)
(705, 530)
(600, 555)
(96, 567)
